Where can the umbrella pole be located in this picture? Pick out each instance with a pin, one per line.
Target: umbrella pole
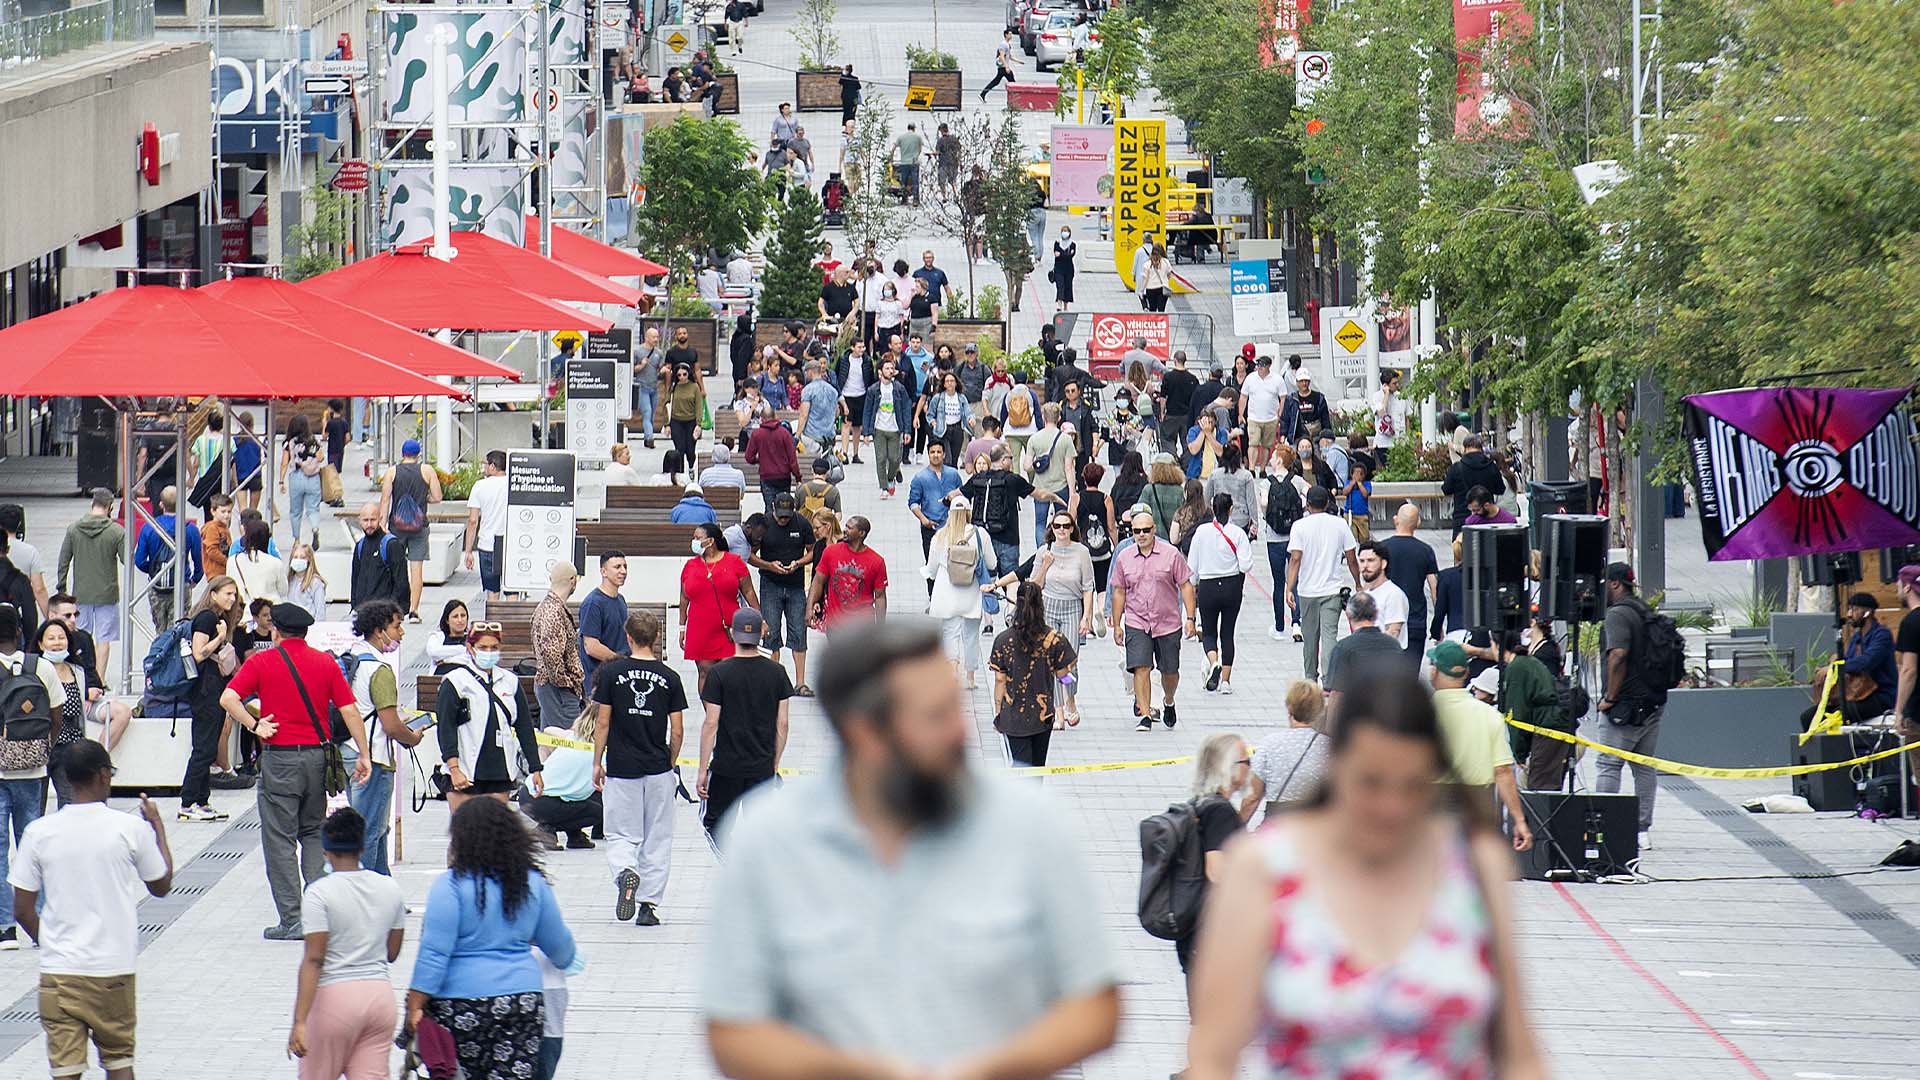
(266, 469)
(180, 490)
(128, 463)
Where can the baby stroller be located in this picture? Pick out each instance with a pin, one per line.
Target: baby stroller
(833, 196)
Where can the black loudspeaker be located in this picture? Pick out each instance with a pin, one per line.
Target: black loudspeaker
(97, 451)
(1494, 565)
(1573, 560)
(1892, 559)
(1830, 569)
(1590, 831)
(1554, 497)
(1840, 789)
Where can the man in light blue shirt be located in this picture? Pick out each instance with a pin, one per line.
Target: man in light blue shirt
(919, 356)
(927, 496)
(819, 408)
(900, 913)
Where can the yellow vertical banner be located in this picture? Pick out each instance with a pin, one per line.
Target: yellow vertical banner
(1139, 190)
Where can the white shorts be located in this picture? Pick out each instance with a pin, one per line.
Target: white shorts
(100, 620)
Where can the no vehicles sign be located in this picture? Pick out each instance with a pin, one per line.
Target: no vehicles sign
(1312, 72)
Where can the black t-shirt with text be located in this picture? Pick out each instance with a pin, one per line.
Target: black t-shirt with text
(643, 695)
(791, 542)
(1907, 640)
(748, 690)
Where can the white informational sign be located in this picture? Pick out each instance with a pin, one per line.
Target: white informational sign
(1312, 73)
(1232, 197)
(1348, 344)
(540, 492)
(616, 345)
(593, 423)
(1259, 289)
(673, 46)
(337, 638)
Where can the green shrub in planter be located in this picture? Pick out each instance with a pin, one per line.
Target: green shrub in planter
(919, 59)
(987, 306)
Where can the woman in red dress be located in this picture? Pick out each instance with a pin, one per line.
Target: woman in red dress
(712, 586)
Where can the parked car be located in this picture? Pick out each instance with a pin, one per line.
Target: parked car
(1060, 37)
(1036, 16)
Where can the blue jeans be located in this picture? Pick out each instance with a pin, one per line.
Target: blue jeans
(1283, 605)
(1005, 558)
(362, 420)
(489, 573)
(785, 608)
(21, 803)
(303, 504)
(373, 800)
(646, 399)
(1041, 512)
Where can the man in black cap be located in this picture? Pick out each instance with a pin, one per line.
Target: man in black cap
(783, 554)
(745, 732)
(1629, 704)
(295, 684)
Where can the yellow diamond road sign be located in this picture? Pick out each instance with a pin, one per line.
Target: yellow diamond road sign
(1351, 336)
(678, 40)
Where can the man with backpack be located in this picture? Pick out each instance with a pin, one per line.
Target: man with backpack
(821, 492)
(379, 563)
(995, 495)
(405, 493)
(154, 556)
(1645, 657)
(1285, 503)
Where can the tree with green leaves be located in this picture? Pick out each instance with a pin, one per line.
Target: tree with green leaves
(791, 287)
(703, 193)
(1009, 193)
(813, 32)
(960, 210)
(1114, 67)
(874, 218)
(314, 245)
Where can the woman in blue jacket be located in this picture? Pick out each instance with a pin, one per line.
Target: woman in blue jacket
(476, 974)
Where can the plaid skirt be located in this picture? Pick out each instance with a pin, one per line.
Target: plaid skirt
(1064, 616)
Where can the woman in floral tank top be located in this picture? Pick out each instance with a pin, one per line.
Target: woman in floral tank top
(1386, 953)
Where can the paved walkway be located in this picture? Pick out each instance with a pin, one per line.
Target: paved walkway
(1751, 975)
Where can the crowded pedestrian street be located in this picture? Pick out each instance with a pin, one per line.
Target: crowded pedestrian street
(996, 610)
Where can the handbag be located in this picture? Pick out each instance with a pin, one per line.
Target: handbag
(989, 601)
(332, 492)
(706, 416)
(333, 767)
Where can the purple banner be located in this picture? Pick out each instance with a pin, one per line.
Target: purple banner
(1783, 472)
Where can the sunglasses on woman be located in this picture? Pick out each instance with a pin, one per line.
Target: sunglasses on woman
(1063, 524)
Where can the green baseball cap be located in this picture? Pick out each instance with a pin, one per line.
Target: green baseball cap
(1449, 659)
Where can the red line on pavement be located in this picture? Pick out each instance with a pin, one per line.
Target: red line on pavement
(1620, 952)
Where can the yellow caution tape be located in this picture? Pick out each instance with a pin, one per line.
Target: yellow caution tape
(1683, 769)
(1111, 766)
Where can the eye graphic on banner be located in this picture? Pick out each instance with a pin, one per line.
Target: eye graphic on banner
(1802, 471)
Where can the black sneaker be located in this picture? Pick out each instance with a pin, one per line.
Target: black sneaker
(1167, 716)
(577, 840)
(628, 883)
(1145, 723)
(9, 939)
(646, 916)
(1213, 679)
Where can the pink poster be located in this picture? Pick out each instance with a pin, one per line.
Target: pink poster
(1476, 24)
(1082, 169)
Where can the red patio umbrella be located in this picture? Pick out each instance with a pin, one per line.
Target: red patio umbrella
(583, 252)
(158, 341)
(348, 325)
(424, 293)
(530, 271)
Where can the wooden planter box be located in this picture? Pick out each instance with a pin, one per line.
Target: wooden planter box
(729, 103)
(817, 91)
(945, 84)
(959, 332)
(702, 333)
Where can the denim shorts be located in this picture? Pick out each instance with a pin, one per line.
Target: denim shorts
(785, 609)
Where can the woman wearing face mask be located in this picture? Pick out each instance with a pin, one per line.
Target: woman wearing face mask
(69, 712)
(486, 734)
(713, 584)
(1364, 917)
(1064, 252)
(305, 586)
(214, 620)
(888, 316)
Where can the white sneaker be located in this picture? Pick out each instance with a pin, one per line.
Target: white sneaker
(194, 813)
(1226, 688)
(1646, 840)
(1276, 635)
(1297, 636)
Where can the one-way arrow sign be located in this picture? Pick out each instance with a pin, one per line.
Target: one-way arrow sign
(327, 84)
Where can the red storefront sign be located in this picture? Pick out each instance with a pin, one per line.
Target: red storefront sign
(1477, 26)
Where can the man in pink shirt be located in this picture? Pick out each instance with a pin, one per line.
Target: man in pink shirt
(1151, 583)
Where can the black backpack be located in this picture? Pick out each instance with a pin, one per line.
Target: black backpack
(26, 709)
(1283, 505)
(1173, 871)
(1663, 663)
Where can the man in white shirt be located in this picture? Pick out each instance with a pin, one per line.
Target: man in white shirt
(1389, 410)
(1260, 398)
(86, 860)
(487, 520)
(1389, 598)
(1320, 542)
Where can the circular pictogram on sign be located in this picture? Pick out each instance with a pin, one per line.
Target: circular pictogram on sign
(1314, 67)
(1109, 331)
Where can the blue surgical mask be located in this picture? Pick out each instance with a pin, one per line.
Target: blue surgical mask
(486, 659)
(58, 656)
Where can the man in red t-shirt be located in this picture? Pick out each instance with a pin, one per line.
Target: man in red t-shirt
(851, 579)
(295, 683)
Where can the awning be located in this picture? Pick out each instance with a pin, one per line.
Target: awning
(530, 271)
(583, 252)
(424, 293)
(316, 314)
(158, 341)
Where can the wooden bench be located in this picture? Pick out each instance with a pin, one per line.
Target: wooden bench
(427, 696)
(727, 425)
(725, 515)
(633, 497)
(639, 539)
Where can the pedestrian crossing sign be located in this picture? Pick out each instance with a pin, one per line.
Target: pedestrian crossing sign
(920, 98)
(677, 41)
(1350, 336)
